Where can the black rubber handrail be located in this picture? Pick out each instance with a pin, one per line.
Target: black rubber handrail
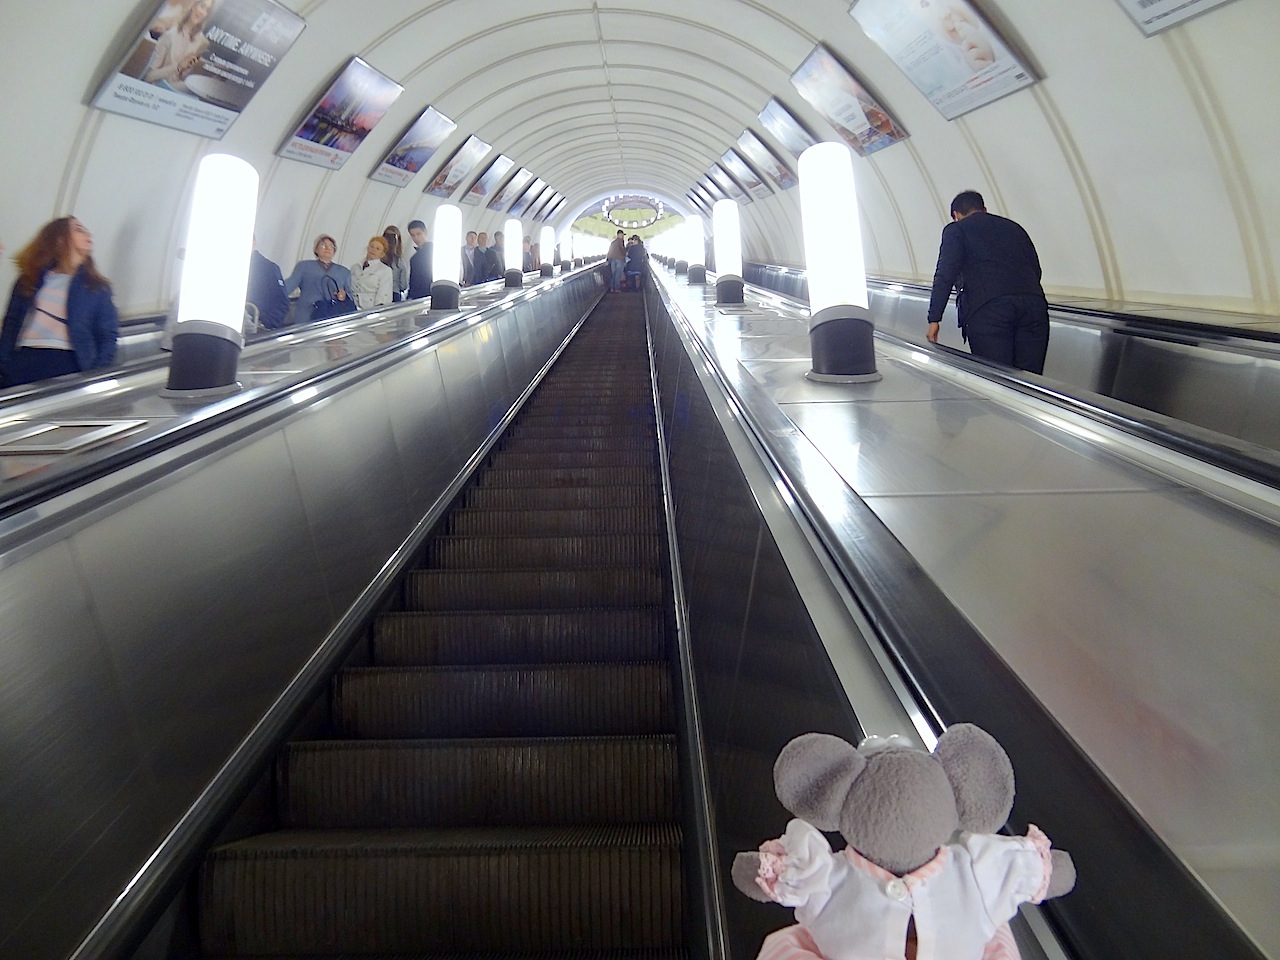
(1135, 897)
(1139, 324)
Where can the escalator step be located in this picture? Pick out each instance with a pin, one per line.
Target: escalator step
(557, 955)
(562, 498)
(531, 589)
(468, 783)
(460, 890)
(549, 430)
(589, 416)
(471, 523)
(576, 444)
(544, 553)
(425, 639)
(556, 700)
(544, 459)
(578, 476)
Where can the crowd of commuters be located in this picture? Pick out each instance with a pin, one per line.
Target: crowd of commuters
(61, 318)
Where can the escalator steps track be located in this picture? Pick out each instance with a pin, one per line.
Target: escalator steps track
(502, 781)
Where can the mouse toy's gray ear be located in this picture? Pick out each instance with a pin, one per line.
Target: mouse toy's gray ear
(812, 777)
(981, 777)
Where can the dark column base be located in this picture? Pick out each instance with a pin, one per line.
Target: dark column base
(697, 273)
(729, 289)
(548, 270)
(843, 348)
(203, 362)
(444, 295)
(682, 268)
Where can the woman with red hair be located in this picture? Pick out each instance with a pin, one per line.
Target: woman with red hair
(61, 318)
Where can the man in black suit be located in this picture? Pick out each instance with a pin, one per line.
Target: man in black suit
(420, 263)
(993, 264)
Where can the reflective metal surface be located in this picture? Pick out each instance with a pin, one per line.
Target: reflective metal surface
(1222, 378)
(1138, 604)
(151, 616)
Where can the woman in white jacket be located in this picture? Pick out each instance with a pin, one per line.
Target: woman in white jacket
(371, 279)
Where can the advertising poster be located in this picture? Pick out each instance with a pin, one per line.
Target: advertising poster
(485, 183)
(339, 123)
(458, 167)
(540, 211)
(786, 129)
(845, 103)
(758, 152)
(415, 148)
(1152, 16)
(526, 199)
(728, 186)
(711, 189)
(743, 173)
(198, 64)
(946, 49)
(511, 190)
(556, 207)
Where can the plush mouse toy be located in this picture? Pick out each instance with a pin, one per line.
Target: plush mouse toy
(924, 875)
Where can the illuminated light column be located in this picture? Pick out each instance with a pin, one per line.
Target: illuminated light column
(841, 334)
(547, 251)
(513, 252)
(209, 334)
(446, 257)
(566, 250)
(726, 234)
(695, 253)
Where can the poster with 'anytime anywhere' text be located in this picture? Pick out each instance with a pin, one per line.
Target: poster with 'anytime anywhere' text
(946, 49)
(198, 64)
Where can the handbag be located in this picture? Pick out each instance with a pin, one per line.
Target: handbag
(330, 306)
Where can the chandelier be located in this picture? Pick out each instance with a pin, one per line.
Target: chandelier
(632, 202)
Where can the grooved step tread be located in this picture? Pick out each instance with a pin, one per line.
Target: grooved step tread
(543, 459)
(557, 955)
(562, 498)
(486, 637)
(469, 521)
(544, 552)
(572, 699)
(531, 589)
(326, 891)
(574, 476)
(332, 784)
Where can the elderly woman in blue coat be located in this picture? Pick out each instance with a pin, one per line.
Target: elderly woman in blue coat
(61, 318)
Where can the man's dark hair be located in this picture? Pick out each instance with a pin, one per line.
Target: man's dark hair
(970, 201)
(417, 223)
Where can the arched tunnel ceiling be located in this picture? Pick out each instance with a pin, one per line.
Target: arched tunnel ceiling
(1124, 140)
(597, 100)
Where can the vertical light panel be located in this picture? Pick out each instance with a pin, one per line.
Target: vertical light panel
(547, 246)
(695, 242)
(513, 245)
(446, 250)
(215, 272)
(832, 229)
(726, 235)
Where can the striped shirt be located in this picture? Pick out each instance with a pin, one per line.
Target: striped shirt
(46, 323)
